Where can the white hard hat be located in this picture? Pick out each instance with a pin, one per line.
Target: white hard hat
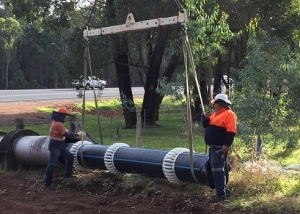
(221, 97)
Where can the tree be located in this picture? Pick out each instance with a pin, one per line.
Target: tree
(120, 56)
(267, 100)
(40, 56)
(209, 31)
(156, 42)
(18, 81)
(10, 31)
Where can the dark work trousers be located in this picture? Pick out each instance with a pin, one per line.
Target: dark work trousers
(54, 155)
(217, 161)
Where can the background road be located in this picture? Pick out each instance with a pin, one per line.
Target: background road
(28, 95)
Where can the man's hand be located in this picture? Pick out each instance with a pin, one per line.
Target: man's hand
(225, 149)
(81, 134)
(207, 115)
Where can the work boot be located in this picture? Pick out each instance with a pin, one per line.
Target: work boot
(217, 199)
(50, 187)
(70, 176)
(228, 193)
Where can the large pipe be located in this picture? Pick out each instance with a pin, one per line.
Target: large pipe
(27, 148)
(7, 158)
(120, 158)
(32, 150)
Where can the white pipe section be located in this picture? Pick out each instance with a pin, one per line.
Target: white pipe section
(109, 157)
(74, 150)
(169, 164)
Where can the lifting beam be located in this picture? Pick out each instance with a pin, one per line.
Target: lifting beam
(131, 25)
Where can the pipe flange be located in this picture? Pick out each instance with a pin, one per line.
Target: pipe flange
(7, 147)
(109, 157)
(74, 150)
(3, 133)
(169, 164)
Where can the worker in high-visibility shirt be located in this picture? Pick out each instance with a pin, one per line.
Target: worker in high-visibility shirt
(57, 146)
(220, 130)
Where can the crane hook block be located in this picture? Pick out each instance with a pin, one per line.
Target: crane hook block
(130, 18)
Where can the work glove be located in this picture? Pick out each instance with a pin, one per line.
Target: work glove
(81, 134)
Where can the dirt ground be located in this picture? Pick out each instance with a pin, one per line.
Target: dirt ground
(91, 192)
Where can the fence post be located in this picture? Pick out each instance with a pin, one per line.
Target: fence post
(19, 123)
(168, 117)
(144, 119)
(72, 126)
(258, 146)
(111, 129)
(138, 130)
(119, 132)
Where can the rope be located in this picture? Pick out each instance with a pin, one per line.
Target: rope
(83, 99)
(195, 73)
(188, 108)
(95, 98)
(84, 76)
(194, 68)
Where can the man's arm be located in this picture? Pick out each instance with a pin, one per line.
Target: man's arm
(205, 119)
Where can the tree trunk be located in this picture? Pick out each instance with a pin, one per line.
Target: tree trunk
(7, 66)
(120, 56)
(124, 84)
(168, 75)
(149, 108)
(41, 72)
(218, 77)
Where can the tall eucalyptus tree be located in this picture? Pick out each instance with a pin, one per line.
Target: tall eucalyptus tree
(209, 31)
(10, 31)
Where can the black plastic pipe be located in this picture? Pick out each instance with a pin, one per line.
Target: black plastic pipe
(149, 162)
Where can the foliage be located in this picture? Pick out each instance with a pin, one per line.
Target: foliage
(265, 189)
(17, 81)
(10, 32)
(171, 89)
(209, 32)
(265, 97)
(208, 29)
(127, 103)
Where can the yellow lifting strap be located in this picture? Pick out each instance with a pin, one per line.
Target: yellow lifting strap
(195, 75)
(87, 62)
(187, 51)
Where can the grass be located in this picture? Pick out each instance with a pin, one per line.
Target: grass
(271, 192)
(253, 189)
(170, 131)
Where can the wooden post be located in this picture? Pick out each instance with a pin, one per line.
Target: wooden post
(258, 146)
(72, 126)
(111, 126)
(119, 132)
(19, 123)
(138, 130)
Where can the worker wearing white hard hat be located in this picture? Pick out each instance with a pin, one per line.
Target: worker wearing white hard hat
(222, 97)
(220, 130)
